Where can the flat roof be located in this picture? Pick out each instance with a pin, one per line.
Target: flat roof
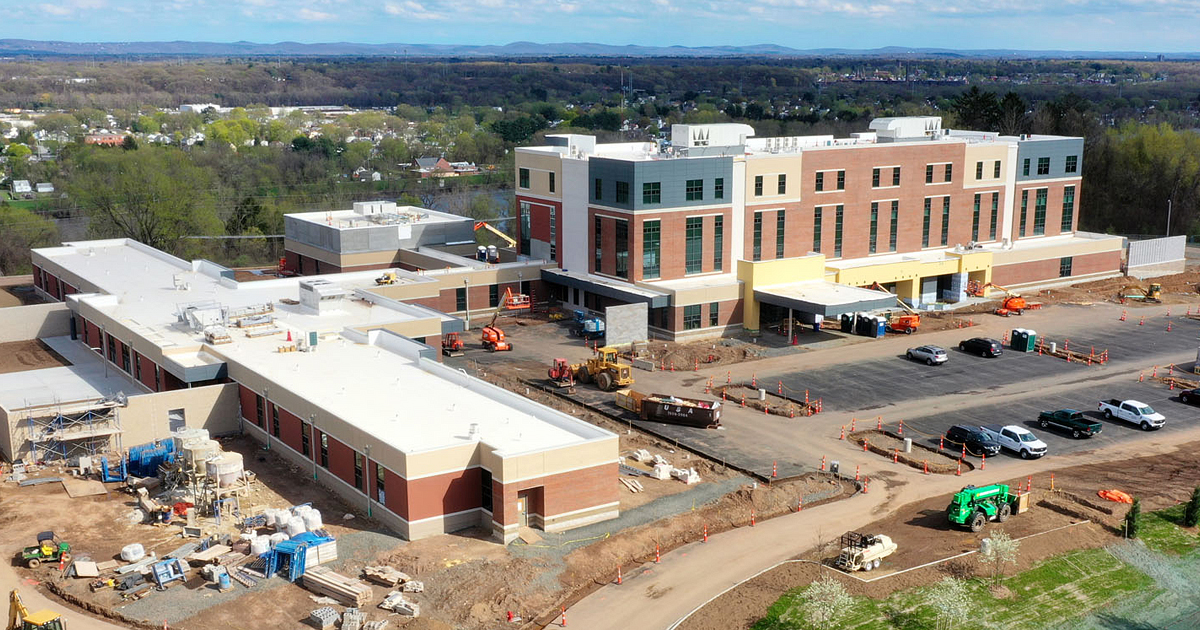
(374, 381)
(824, 298)
(85, 380)
(401, 215)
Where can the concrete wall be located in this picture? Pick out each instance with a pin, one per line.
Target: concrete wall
(213, 407)
(20, 323)
(625, 324)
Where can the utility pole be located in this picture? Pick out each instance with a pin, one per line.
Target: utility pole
(1168, 217)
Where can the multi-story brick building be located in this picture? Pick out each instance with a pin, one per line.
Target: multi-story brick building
(722, 230)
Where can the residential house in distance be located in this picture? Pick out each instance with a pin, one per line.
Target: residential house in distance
(21, 186)
(104, 139)
(44, 187)
(439, 167)
(720, 230)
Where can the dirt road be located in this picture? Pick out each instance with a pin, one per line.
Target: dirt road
(662, 595)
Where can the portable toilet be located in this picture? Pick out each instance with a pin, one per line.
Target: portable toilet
(1023, 340)
(879, 327)
(848, 326)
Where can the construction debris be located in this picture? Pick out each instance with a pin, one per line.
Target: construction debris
(347, 591)
(632, 485)
(398, 603)
(413, 586)
(386, 576)
(39, 481)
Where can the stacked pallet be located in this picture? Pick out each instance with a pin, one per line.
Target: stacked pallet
(347, 591)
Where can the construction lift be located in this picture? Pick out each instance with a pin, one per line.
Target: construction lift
(452, 344)
(1152, 293)
(388, 277)
(510, 241)
(907, 323)
(1012, 304)
(19, 617)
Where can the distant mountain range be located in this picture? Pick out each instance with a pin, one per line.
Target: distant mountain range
(10, 47)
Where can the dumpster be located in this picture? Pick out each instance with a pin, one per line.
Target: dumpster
(1023, 340)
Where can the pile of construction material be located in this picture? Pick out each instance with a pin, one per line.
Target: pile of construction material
(388, 576)
(660, 469)
(398, 603)
(347, 591)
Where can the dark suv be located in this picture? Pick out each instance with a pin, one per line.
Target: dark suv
(982, 346)
(976, 441)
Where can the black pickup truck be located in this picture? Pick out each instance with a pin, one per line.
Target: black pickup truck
(1071, 421)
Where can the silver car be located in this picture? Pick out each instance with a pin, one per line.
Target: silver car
(931, 355)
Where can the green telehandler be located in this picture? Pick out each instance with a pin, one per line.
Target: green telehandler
(972, 507)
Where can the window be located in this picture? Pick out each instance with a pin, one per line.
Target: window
(260, 410)
(896, 176)
(137, 368)
(758, 185)
(651, 242)
(875, 178)
(125, 361)
(694, 245)
(553, 234)
(928, 173)
(979, 170)
(1043, 166)
(598, 240)
(837, 232)
(1072, 165)
(599, 189)
(157, 379)
(816, 230)
(524, 178)
(358, 471)
(380, 495)
(874, 227)
(996, 169)
(493, 295)
(1024, 208)
(460, 299)
(1025, 168)
(975, 217)
(718, 243)
(1064, 267)
(841, 180)
(651, 192)
(892, 226)
(925, 224)
(622, 192)
(782, 184)
(719, 188)
(820, 181)
(1039, 212)
(757, 236)
(324, 451)
(695, 190)
(949, 172)
(305, 439)
(1068, 213)
(275, 420)
(551, 181)
(945, 221)
(622, 247)
(525, 227)
(485, 483)
(112, 350)
(691, 317)
(995, 213)
(714, 314)
(780, 229)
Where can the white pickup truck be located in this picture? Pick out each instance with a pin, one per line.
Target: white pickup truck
(1016, 439)
(1133, 412)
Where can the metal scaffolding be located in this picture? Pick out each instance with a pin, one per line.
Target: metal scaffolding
(68, 434)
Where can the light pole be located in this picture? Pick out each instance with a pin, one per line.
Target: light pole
(1168, 217)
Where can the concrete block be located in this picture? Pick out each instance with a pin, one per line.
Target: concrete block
(626, 324)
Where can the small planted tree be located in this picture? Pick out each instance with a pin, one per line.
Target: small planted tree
(1002, 550)
(950, 602)
(1191, 514)
(822, 604)
(1133, 519)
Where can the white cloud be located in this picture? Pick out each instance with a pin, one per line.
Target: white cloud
(312, 15)
(413, 10)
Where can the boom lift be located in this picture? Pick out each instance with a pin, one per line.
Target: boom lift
(19, 617)
(908, 323)
(1010, 305)
(494, 230)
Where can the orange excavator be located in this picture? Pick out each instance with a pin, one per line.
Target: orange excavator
(1012, 304)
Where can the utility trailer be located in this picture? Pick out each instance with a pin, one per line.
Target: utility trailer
(864, 552)
(690, 412)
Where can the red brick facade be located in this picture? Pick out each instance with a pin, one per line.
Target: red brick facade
(1041, 270)
(559, 494)
(1055, 192)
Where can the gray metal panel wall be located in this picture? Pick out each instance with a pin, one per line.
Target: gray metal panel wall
(1056, 150)
(1156, 250)
(672, 176)
(609, 172)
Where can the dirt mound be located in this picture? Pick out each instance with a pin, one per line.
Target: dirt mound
(774, 404)
(922, 457)
(686, 356)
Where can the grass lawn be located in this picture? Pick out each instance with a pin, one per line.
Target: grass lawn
(1057, 592)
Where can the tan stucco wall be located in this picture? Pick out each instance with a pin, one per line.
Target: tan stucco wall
(212, 407)
(20, 323)
(539, 165)
(768, 272)
(769, 166)
(1071, 247)
(988, 153)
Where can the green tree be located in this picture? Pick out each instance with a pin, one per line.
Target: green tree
(950, 601)
(234, 131)
(1013, 115)
(153, 195)
(1133, 519)
(59, 123)
(129, 143)
(822, 604)
(18, 151)
(1001, 549)
(1191, 514)
(20, 231)
(146, 124)
(976, 109)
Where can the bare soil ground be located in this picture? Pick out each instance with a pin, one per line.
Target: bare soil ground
(33, 354)
(18, 295)
(1180, 288)
(923, 534)
(891, 446)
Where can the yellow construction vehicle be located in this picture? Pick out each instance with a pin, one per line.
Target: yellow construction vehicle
(1152, 293)
(388, 277)
(604, 368)
(494, 230)
(19, 617)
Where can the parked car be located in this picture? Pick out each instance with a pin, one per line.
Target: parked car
(1190, 396)
(1016, 439)
(983, 346)
(931, 355)
(1133, 412)
(976, 441)
(1070, 420)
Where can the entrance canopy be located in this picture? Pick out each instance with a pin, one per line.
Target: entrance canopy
(827, 299)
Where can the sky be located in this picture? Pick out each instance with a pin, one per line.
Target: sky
(1142, 25)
